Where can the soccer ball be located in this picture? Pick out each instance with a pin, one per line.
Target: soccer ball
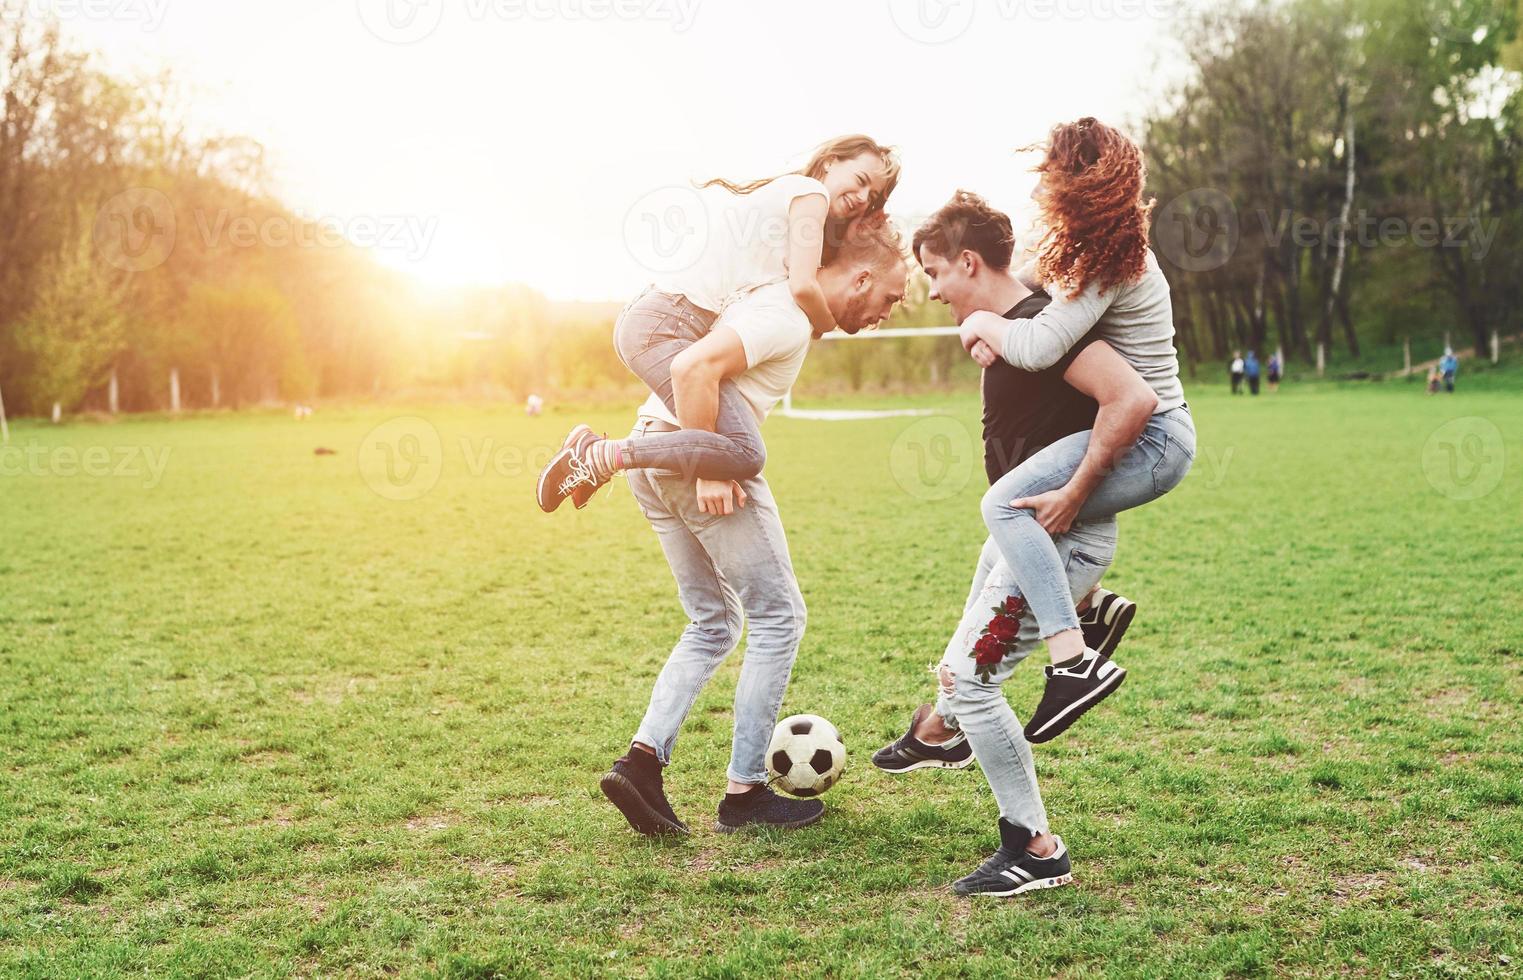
(807, 755)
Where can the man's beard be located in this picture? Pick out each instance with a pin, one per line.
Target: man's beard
(854, 314)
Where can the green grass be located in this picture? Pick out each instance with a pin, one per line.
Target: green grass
(259, 719)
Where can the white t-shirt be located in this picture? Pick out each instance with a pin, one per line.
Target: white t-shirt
(775, 334)
(1237, 365)
(746, 242)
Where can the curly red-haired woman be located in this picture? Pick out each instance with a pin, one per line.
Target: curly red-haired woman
(1096, 262)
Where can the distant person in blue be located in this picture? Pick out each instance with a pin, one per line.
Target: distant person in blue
(1449, 366)
(1274, 371)
(1251, 371)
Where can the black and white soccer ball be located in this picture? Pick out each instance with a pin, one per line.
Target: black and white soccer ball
(807, 755)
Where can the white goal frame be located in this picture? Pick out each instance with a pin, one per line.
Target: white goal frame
(847, 415)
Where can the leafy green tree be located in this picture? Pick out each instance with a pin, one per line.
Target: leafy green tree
(72, 332)
(249, 339)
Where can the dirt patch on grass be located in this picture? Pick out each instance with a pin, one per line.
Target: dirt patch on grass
(1358, 887)
(1455, 704)
(1357, 687)
(501, 878)
(704, 860)
(265, 758)
(314, 905)
(529, 801)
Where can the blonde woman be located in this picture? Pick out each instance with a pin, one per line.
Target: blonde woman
(761, 231)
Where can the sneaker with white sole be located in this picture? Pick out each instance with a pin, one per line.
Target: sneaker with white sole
(1070, 692)
(568, 474)
(1013, 870)
(1106, 620)
(909, 753)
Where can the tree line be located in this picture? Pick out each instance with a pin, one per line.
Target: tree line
(143, 262)
(1342, 173)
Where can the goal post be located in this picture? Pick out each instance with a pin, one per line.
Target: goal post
(842, 415)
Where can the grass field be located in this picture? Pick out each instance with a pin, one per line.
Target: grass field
(263, 716)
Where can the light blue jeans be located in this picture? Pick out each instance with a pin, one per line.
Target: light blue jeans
(732, 571)
(1150, 469)
(977, 706)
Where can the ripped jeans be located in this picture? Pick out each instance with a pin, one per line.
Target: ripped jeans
(979, 707)
(1156, 464)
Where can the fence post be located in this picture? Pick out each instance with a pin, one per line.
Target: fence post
(1406, 356)
(114, 393)
(57, 413)
(1496, 346)
(5, 429)
(1321, 358)
(174, 390)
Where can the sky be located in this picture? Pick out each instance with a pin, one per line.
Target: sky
(488, 141)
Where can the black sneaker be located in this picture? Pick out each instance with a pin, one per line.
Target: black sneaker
(1014, 870)
(635, 787)
(568, 474)
(1070, 692)
(761, 807)
(1104, 623)
(910, 753)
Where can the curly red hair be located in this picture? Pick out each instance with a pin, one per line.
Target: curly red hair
(1097, 222)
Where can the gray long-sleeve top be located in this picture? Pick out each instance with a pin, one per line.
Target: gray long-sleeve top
(1137, 319)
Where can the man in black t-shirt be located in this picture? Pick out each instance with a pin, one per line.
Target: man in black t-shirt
(965, 249)
(1025, 411)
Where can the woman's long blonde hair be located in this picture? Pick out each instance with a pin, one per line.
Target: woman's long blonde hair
(840, 148)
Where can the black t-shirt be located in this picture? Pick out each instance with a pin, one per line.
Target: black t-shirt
(1025, 411)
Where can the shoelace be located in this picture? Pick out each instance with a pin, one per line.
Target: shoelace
(580, 473)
